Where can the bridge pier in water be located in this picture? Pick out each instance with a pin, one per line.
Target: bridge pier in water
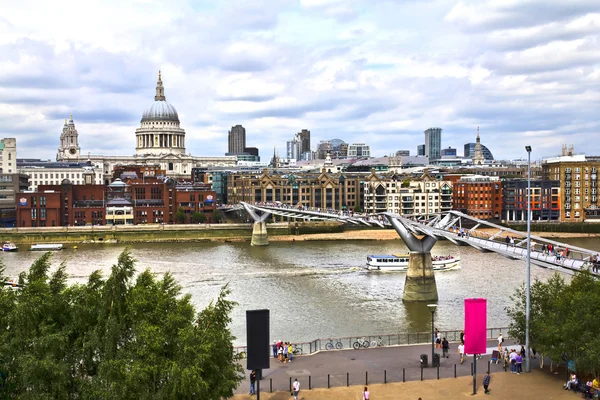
(259, 234)
(259, 228)
(419, 284)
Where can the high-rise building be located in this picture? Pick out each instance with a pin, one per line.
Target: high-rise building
(8, 155)
(433, 143)
(304, 138)
(292, 149)
(403, 153)
(237, 139)
(421, 150)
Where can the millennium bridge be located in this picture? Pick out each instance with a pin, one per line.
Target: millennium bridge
(420, 235)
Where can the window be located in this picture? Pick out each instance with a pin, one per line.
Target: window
(33, 213)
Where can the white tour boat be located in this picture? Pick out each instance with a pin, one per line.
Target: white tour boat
(46, 247)
(9, 246)
(399, 262)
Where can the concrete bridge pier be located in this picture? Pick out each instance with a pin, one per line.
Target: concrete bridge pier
(419, 284)
(259, 234)
(259, 228)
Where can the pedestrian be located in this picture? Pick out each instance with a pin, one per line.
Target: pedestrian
(500, 341)
(438, 339)
(461, 352)
(290, 351)
(486, 383)
(445, 348)
(519, 362)
(513, 361)
(366, 394)
(462, 337)
(507, 240)
(274, 348)
(296, 389)
(252, 382)
(285, 352)
(280, 354)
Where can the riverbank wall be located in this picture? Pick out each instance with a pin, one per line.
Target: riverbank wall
(159, 233)
(558, 227)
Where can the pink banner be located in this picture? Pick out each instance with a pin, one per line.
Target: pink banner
(475, 326)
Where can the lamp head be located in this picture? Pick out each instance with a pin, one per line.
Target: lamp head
(432, 307)
(528, 148)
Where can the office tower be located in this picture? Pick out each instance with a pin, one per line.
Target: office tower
(304, 139)
(421, 150)
(237, 139)
(433, 143)
(359, 150)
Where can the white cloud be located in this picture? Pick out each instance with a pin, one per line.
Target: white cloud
(379, 72)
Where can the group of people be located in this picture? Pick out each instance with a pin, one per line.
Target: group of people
(592, 386)
(283, 351)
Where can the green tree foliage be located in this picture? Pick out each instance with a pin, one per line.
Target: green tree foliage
(120, 338)
(563, 323)
(198, 217)
(357, 208)
(217, 217)
(180, 216)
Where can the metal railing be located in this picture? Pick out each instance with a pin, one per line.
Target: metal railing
(367, 341)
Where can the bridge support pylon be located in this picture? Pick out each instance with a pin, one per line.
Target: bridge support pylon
(259, 234)
(419, 284)
(259, 228)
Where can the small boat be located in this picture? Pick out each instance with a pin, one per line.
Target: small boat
(46, 247)
(399, 262)
(9, 246)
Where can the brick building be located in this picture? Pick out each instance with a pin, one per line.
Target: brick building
(478, 196)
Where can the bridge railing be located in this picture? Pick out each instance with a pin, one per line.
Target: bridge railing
(390, 339)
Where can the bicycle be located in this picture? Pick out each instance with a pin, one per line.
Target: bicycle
(330, 345)
(297, 350)
(377, 343)
(360, 343)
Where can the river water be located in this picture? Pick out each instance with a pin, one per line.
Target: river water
(313, 289)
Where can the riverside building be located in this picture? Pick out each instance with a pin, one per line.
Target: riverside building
(407, 196)
(478, 196)
(578, 177)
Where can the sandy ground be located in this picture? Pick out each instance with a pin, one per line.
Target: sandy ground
(503, 385)
(390, 234)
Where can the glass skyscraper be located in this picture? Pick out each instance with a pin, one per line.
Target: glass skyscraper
(433, 143)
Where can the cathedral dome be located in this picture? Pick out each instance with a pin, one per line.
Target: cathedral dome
(160, 110)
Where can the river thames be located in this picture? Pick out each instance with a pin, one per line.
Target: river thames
(313, 289)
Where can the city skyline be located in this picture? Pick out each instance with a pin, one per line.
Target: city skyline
(527, 73)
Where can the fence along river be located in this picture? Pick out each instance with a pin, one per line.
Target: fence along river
(314, 289)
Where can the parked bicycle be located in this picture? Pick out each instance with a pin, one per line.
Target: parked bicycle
(338, 345)
(360, 342)
(297, 350)
(377, 343)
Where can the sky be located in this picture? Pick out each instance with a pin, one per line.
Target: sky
(526, 72)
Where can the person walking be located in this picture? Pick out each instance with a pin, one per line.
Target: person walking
(366, 394)
(445, 348)
(285, 352)
(280, 353)
(500, 341)
(252, 382)
(462, 337)
(519, 362)
(290, 351)
(274, 348)
(296, 389)
(486, 383)
(461, 352)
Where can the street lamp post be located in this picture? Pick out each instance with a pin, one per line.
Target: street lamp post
(432, 308)
(528, 281)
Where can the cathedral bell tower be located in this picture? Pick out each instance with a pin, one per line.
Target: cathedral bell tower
(69, 142)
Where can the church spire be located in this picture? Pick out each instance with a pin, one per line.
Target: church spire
(160, 90)
(478, 139)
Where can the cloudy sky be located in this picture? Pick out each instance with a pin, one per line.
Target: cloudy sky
(376, 71)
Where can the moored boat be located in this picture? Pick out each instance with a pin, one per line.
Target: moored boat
(46, 247)
(399, 262)
(9, 246)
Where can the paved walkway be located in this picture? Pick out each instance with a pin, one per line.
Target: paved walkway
(357, 367)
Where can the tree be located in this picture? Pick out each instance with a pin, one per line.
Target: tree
(118, 338)
(180, 216)
(217, 217)
(198, 217)
(357, 208)
(563, 324)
